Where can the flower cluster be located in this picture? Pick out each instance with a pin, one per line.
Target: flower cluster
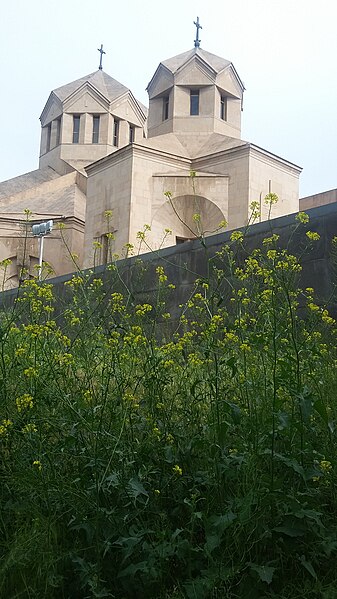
(24, 402)
(4, 426)
(142, 309)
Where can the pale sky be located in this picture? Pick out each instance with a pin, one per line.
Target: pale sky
(285, 52)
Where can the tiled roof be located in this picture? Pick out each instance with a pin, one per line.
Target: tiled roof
(69, 201)
(26, 181)
(109, 87)
(215, 62)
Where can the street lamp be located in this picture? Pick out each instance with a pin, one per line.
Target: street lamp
(40, 231)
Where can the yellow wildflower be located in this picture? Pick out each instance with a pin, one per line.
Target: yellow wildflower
(24, 402)
(313, 236)
(271, 198)
(142, 309)
(161, 274)
(236, 236)
(29, 428)
(302, 217)
(30, 372)
(326, 466)
(6, 423)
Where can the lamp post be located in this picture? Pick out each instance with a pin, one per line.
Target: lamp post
(41, 230)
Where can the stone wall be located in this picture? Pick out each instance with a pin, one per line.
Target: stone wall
(185, 262)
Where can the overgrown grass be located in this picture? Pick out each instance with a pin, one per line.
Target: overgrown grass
(145, 456)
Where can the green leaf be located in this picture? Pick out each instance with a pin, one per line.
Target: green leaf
(321, 410)
(308, 566)
(216, 526)
(231, 363)
(212, 541)
(265, 573)
(283, 419)
(290, 531)
(236, 412)
(112, 480)
(306, 406)
(199, 588)
(136, 488)
(222, 522)
(292, 463)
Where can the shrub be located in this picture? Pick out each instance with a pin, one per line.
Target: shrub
(147, 456)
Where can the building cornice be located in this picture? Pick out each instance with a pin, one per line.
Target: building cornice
(248, 149)
(159, 68)
(261, 152)
(137, 150)
(52, 99)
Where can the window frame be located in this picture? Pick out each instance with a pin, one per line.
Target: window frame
(76, 130)
(166, 104)
(115, 135)
(58, 132)
(48, 140)
(132, 131)
(194, 102)
(223, 107)
(95, 128)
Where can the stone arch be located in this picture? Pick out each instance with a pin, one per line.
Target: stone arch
(178, 214)
(14, 272)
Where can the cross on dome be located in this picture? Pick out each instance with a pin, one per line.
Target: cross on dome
(101, 51)
(197, 40)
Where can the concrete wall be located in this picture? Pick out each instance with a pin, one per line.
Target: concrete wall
(271, 175)
(108, 188)
(319, 199)
(185, 262)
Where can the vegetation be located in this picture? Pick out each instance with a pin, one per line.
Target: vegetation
(144, 455)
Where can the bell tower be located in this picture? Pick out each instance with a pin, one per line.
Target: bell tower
(87, 119)
(195, 93)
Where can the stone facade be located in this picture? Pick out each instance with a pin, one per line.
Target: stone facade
(45, 196)
(81, 122)
(193, 126)
(179, 168)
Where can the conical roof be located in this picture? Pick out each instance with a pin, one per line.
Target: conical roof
(215, 62)
(109, 87)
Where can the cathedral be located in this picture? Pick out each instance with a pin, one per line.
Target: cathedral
(111, 167)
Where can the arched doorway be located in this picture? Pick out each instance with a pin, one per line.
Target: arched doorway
(188, 217)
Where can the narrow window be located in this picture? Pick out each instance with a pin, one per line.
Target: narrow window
(48, 137)
(223, 108)
(95, 129)
(58, 131)
(115, 133)
(131, 134)
(165, 108)
(76, 129)
(104, 249)
(194, 102)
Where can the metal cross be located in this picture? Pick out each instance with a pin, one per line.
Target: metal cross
(101, 51)
(198, 26)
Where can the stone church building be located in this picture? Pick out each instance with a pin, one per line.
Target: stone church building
(103, 152)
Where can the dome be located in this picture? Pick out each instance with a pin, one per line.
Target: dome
(109, 87)
(215, 62)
